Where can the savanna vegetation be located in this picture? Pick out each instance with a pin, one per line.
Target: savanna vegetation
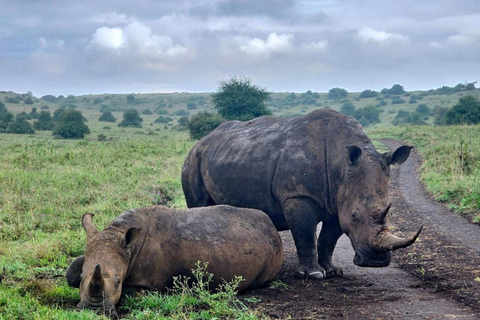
(47, 184)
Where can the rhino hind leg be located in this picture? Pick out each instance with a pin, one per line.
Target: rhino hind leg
(74, 272)
(196, 194)
(302, 222)
(327, 240)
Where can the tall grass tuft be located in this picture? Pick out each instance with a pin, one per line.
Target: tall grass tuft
(451, 163)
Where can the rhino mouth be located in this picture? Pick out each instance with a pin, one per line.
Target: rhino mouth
(372, 259)
(105, 307)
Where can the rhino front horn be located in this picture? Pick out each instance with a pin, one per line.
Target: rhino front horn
(96, 286)
(385, 241)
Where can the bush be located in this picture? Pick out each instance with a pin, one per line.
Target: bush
(107, 116)
(466, 111)
(131, 118)
(348, 108)
(20, 126)
(397, 100)
(162, 119)
(181, 112)
(203, 123)
(5, 119)
(368, 115)
(147, 111)
(44, 121)
(368, 94)
(337, 93)
(49, 98)
(71, 125)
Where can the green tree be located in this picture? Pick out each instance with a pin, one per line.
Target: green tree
(71, 125)
(348, 108)
(337, 93)
(20, 126)
(107, 116)
(6, 117)
(131, 118)
(130, 98)
(239, 99)
(203, 123)
(466, 111)
(44, 121)
(33, 114)
(368, 94)
(368, 115)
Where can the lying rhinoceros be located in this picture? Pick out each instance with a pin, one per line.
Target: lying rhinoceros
(145, 248)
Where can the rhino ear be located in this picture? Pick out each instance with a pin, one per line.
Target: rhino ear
(129, 237)
(74, 272)
(88, 225)
(399, 156)
(353, 154)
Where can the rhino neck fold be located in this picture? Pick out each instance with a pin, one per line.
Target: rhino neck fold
(331, 207)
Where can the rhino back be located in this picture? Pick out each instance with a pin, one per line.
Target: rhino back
(233, 241)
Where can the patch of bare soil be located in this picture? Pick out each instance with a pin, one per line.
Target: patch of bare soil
(436, 278)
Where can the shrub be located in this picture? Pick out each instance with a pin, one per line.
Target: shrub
(239, 99)
(181, 112)
(368, 115)
(397, 100)
(131, 118)
(203, 123)
(20, 126)
(466, 111)
(337, 93)
(147, 111)
(368, 94)
(49, 98)
(44, 121)
(71, 125)
(162, 119)
(107, 116)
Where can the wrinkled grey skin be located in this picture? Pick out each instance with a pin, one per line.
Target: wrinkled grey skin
(144, 248)
(318, 167)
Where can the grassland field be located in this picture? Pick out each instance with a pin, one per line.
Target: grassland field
(47, 184)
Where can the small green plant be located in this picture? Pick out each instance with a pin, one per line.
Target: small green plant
(278, 284)
(191, 298)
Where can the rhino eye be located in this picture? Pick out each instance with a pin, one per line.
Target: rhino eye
(355, 218)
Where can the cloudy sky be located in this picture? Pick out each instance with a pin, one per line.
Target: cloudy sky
(116, 46)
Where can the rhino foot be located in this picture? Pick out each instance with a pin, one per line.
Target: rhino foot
(310, 273)
(333, 272)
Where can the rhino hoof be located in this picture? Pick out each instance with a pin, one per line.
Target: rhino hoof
(317, 274)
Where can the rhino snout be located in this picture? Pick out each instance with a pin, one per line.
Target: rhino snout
(372, 259)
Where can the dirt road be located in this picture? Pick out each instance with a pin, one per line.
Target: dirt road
(437, 278)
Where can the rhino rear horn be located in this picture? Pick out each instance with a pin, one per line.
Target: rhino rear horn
(88, 225)
(96, 285)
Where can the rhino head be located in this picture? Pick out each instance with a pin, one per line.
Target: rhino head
(363, 205)
(105, 266)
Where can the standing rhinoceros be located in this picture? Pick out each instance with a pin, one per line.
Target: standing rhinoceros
(300, 171)
(145, 248)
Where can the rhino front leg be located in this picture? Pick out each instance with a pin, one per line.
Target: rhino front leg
(331, 232)
(302, 222)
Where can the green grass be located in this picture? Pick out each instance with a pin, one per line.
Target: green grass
(451, 163)
(46, 185)
(192, 301)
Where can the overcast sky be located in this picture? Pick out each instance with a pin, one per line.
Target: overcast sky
(115, 46)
